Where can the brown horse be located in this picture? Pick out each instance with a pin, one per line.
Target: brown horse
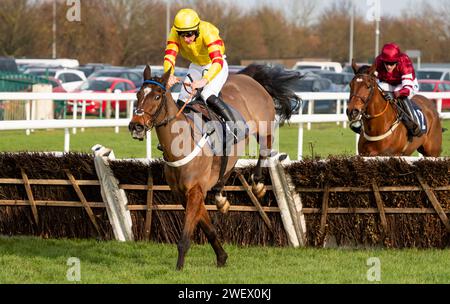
(382, 132)
(198, 172)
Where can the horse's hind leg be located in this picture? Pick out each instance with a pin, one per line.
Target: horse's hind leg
(265, 144)
(433, 144)
(211, 235)
(222, 202)
(191, 218)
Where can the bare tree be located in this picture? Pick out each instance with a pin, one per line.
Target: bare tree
(18, 27)
(300, 12)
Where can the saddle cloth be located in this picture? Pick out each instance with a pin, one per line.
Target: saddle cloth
(207, 121)
(419, 117)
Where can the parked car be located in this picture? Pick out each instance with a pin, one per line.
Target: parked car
(347, 68)
(431, 85)
(320, 65)
(135, 75)
(233, 69)
(70, 79)
(90, 68)
(104, 85)
(8, 64)
(316, 84)
(341, 80)
(433, 73)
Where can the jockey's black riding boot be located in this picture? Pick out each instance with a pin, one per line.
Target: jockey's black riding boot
(159, 147)
(223, 110)
(409, 118)
(180, 103)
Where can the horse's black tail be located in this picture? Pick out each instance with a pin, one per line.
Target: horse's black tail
(276, 80)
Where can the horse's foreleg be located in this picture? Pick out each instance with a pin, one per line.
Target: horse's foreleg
(191, 218)
(211, 235)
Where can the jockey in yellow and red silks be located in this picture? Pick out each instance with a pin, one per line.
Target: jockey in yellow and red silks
(199, 42)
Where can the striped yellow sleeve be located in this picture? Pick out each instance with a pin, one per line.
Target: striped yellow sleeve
(216, 49)
(171, 52)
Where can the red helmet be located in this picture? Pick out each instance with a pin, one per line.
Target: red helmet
(390, 52)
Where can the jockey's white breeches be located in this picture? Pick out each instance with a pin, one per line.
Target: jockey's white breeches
(213, 87)
(390, 88)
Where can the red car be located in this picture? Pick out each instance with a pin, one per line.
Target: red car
(103, 85)
(434, 85)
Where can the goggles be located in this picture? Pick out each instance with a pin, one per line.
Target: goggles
(187, 34)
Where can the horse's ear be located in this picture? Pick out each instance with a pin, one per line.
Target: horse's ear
(147, 73)
(355, 67)
(166, 75)
(373, 69)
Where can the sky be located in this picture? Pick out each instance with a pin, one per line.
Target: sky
(388, 7)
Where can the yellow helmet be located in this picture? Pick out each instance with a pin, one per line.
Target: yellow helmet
(186, 20)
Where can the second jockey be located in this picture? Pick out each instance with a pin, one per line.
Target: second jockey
(397, 77)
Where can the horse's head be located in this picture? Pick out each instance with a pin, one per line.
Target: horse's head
(362, 88)
(151, 100)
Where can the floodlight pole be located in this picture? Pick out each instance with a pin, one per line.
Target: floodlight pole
(377, 26)
(167, 18)
(54, 31)
(352, 25)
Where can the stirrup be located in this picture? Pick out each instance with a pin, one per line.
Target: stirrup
(232, 132)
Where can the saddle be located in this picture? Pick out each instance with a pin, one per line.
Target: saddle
(198, 105)
(219, 142)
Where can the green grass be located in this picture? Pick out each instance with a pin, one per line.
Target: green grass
(34, 260)
(322, 140)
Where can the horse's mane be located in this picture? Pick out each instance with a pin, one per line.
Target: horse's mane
(363, 69)
(276, 80)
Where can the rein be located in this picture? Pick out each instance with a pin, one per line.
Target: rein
(368, 116)
(152, 117)
(368, 98)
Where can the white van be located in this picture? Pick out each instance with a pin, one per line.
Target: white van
(65, 63)
(318, 65)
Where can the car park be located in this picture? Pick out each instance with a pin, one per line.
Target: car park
(340, 80)
(70, 79)
(433, 73)
(233, 69)
(8, 64)
(432, 85)
(104, 85)
(134, 74)
(316, 84)
(319, 65)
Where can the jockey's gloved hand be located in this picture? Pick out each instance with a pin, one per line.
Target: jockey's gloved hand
(389, 96)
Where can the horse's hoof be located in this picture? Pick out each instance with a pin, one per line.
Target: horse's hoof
(259, 190)
(225, 208)
(222, 260)
(222, 203)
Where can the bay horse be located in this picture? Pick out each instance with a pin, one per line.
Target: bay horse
(258, 93)
(382, 132)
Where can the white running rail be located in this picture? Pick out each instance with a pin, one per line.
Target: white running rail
(74, 123)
